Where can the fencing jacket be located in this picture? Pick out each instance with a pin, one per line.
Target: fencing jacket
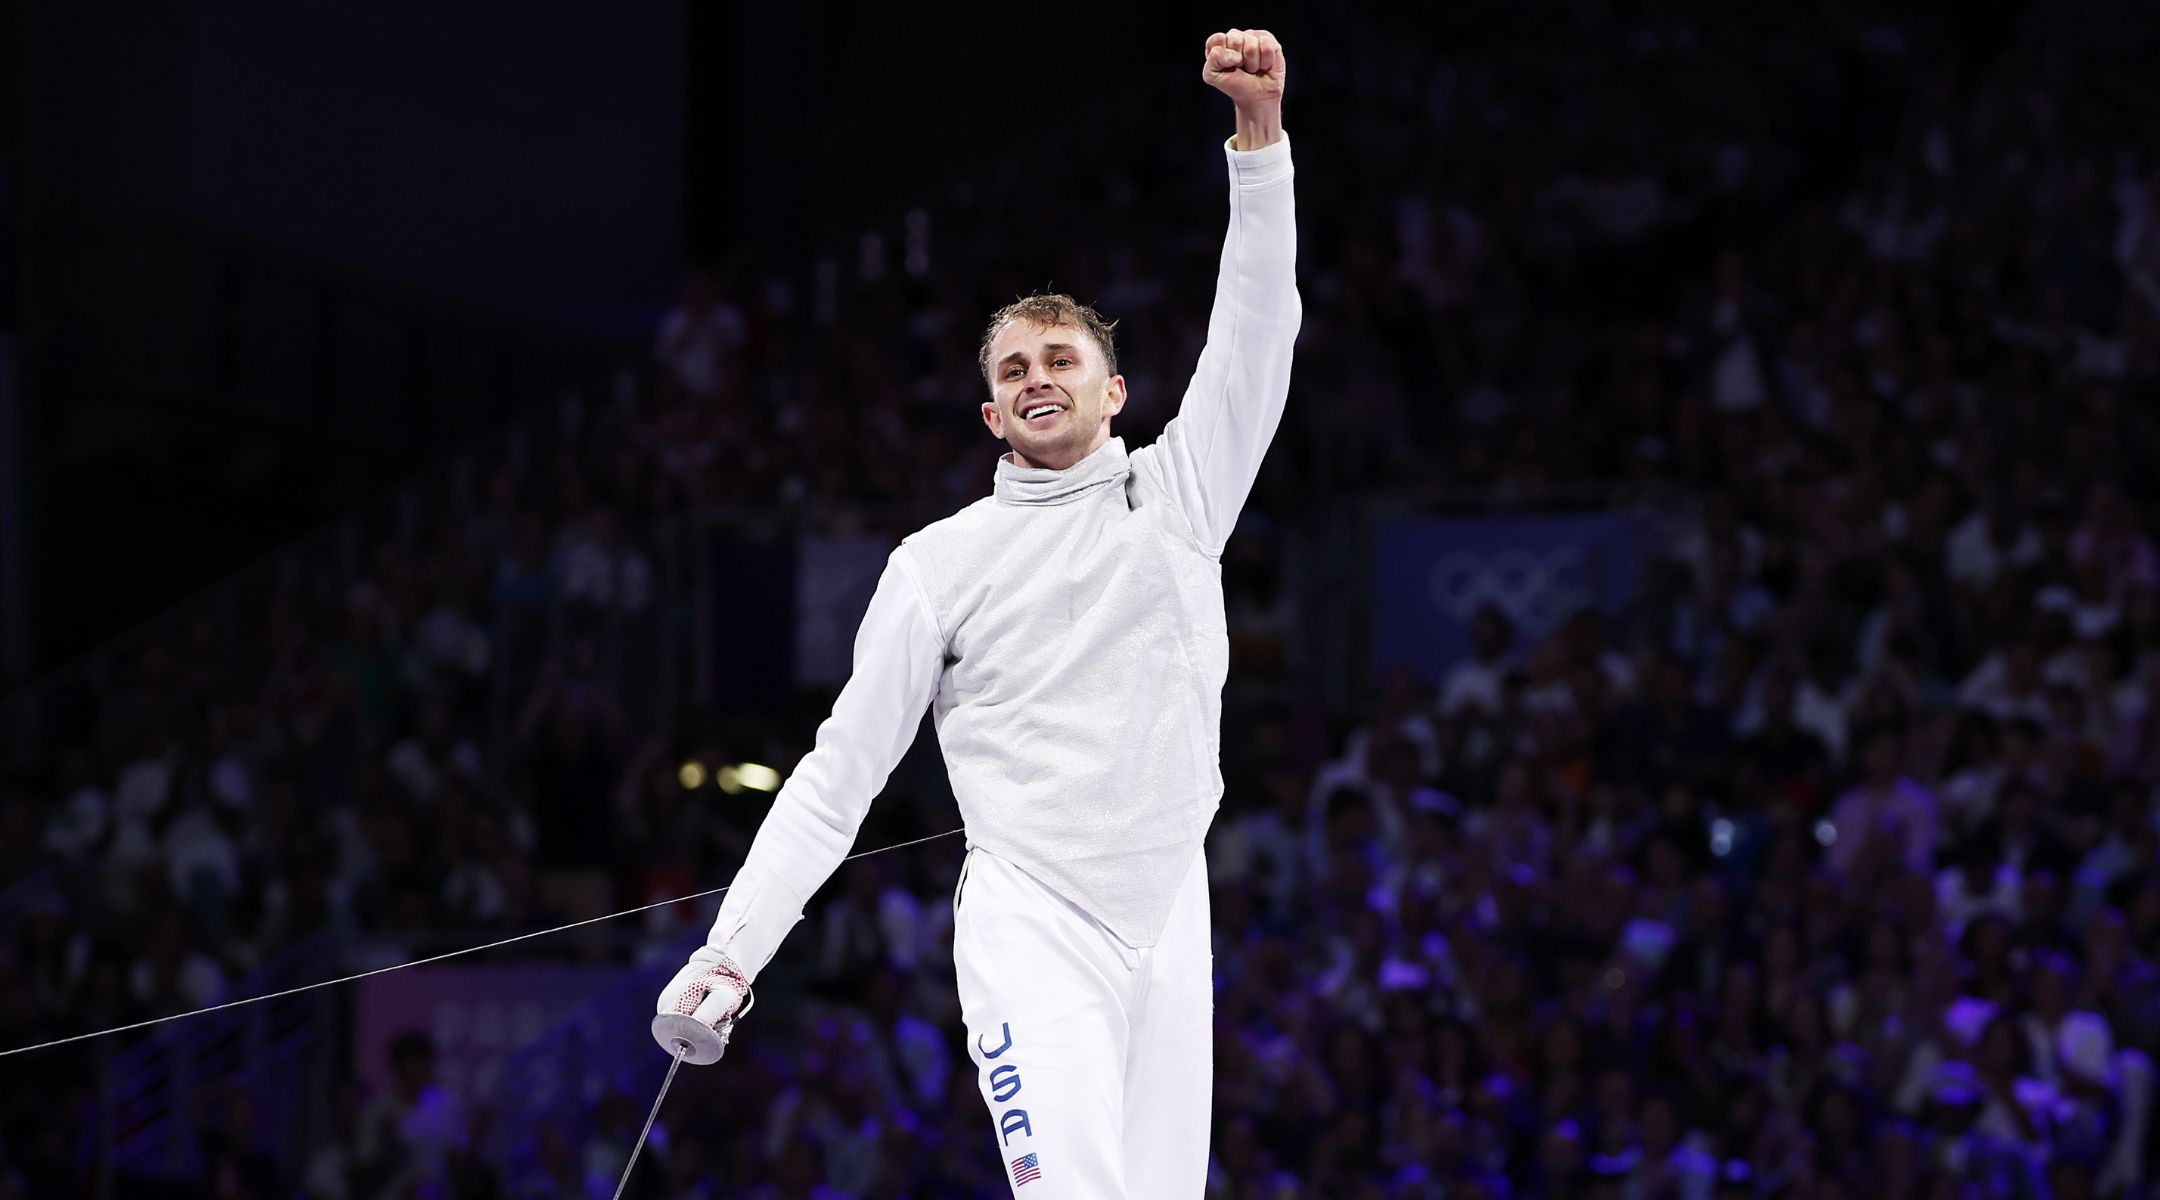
(1067, 634)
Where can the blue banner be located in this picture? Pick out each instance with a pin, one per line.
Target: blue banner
(476, 1016)
(1431, 576)
(781, 613)
(834, 579)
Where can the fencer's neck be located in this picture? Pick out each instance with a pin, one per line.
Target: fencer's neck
(1105, 465)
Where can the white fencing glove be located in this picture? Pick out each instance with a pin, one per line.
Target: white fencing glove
(699, 1007)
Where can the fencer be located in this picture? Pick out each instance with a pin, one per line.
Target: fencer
(1067, 634)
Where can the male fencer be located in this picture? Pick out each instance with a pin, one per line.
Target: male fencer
(1067, 633)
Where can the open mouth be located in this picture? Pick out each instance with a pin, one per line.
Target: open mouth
(1041, 414)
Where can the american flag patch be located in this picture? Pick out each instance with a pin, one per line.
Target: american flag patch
(1025, 1170)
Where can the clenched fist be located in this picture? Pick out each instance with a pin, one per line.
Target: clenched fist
(1248, 66)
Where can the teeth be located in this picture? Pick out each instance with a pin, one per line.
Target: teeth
(1040, 410)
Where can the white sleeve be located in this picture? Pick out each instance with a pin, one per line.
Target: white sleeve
(899, 655)
(1210, 452)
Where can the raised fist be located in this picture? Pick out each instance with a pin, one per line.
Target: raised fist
(1248, 66)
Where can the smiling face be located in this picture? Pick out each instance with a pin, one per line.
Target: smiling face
(1058, 374)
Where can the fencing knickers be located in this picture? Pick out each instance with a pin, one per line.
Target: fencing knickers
(1095, 1058)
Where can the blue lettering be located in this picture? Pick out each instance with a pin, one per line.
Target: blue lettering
(1014, 1121)
(1007, 1027)
(1005, 1083)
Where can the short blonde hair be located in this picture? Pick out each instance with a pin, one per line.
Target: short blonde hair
(1046, 310)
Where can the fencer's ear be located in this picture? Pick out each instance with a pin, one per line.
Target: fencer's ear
(994, 419)
(1114, 402)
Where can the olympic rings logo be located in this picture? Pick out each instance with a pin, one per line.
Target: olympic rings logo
(1536, 590)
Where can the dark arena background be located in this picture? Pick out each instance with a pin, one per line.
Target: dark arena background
(1693, 727)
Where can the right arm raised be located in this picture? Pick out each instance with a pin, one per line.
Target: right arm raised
(899, 654)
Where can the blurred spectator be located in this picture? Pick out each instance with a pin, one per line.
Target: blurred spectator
(701, 338)
(410, 1135)
(1886, 809)
(573, 738)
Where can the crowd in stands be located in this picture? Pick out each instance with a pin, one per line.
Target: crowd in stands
(1829, 867)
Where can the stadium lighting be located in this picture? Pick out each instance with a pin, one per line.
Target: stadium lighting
(760, 777)
(692, 775)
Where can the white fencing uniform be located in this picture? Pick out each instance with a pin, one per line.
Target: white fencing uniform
(1067, 634)
(1096, 1057)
